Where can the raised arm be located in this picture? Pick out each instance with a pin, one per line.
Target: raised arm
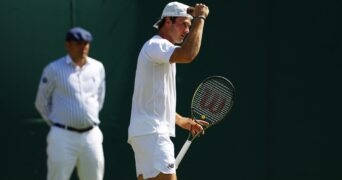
(189, 49)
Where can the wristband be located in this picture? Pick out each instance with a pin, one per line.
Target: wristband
(201, 17)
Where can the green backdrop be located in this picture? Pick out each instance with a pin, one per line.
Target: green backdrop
(283, 56)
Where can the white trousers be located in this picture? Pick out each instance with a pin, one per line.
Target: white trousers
(67, 150)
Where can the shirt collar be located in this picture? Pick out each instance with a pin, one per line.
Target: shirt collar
(69, 60)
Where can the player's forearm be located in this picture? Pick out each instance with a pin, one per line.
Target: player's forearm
(183, 122)
(192, 43)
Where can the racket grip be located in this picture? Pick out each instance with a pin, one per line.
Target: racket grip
(182, 152)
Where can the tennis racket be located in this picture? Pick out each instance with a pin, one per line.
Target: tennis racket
(211, 102)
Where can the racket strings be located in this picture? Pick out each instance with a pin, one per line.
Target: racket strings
(213, 100)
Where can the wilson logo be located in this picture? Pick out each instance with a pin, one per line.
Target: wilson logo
(212, 101)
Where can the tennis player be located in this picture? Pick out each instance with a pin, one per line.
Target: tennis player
(153, 113)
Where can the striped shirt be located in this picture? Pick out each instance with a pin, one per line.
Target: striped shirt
(71, 95)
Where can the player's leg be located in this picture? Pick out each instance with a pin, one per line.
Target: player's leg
(140, 177)
(162, 176)
(61, 154)
(90, 165)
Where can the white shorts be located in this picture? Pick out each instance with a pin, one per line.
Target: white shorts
(153, 153)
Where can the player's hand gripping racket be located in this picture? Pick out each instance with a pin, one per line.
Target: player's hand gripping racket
(211, 102)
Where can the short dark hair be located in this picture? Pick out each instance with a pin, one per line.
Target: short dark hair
(162, 22)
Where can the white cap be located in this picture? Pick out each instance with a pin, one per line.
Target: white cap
(174, 9)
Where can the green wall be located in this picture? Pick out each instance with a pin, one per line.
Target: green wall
(284, 58)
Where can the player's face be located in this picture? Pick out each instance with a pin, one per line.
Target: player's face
(78, 49)
(179, 29)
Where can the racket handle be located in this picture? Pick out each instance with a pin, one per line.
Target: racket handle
(182, 152)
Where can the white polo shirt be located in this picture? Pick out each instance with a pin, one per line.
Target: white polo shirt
(154, 97)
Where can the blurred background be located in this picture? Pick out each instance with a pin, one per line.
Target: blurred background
(284, 58)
